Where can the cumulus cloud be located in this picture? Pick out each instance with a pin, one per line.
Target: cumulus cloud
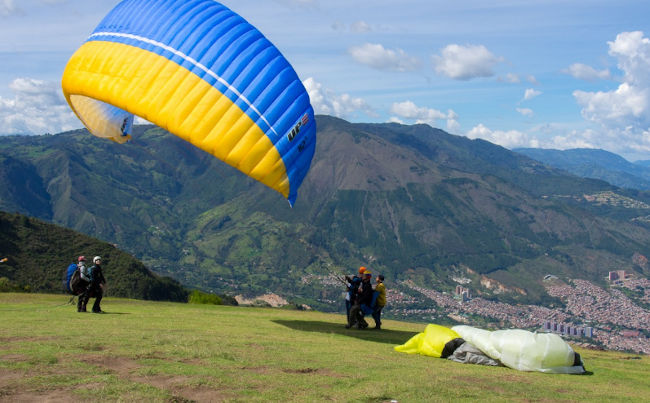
(584, 72)
(378, 57)
(525, 111)
(531, 93)
(37, 107)
(327, 102)
(297, 3)
(7, 7)
(625, 104)
(409, 110)
(507, 139)
(510, 78)
(465, 62)
(624, 113)
(542, 137)
(360, 26)
(574, 139)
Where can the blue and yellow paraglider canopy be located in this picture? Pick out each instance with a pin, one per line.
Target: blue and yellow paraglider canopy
(200, 71)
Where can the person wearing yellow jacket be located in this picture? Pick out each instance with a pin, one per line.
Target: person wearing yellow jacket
(380, 302)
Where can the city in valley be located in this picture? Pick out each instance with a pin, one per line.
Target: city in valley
(612, 318)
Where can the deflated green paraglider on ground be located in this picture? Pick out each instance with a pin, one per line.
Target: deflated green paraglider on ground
(515, 348)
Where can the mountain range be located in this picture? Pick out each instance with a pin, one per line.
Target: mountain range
(595, 163)
(411, 202)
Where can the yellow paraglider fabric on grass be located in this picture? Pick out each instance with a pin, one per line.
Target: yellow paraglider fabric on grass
(431, 342)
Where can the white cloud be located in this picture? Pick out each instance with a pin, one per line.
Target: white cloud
(508, 139)
(7, 7)
(465, 62)
(617, 107)
(531, 79)
(574, 139)
(298, 3)
(409, 110)
(584, 72)
(327, 102)
(632, 50)
(531, 93)
(623, 113)
(38, 107)
(360, 26)
(510, 78)
(378, 57)
(525, 111)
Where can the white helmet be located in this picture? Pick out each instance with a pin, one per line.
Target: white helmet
(96, 258)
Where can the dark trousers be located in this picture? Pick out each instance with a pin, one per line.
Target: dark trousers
(91, 292)
(348, 305)
(81, 303)
(356, 317)
(376, 315)
(99, 293)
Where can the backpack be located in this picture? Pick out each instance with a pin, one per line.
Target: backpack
(73, 283)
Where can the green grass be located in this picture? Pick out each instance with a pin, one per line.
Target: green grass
(168, 352)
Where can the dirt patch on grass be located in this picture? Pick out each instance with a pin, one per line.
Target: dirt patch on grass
(199, 394)
(122, 366)
(176, 385)
(14, 358)
(7, 378)
(12, 389)
(182, 391)
(55, 396)
(318, 371)
(258, 370)
(18, 339)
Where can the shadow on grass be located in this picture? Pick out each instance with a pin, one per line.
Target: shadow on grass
(113, 313)
(387, 336)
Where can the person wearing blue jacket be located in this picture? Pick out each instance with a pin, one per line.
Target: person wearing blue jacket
(354, 283)
(363, 303)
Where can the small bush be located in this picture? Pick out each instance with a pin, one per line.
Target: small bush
(7, 286)
(198, 297)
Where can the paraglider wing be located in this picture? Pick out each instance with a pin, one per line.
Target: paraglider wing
(515, 348)
(524, 350)
(200, 71)
(436, 341)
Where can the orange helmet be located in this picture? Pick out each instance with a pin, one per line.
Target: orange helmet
(362, 269)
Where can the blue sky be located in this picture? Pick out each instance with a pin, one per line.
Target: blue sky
(550, 74)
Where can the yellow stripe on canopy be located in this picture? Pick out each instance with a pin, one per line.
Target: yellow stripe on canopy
(172, 97)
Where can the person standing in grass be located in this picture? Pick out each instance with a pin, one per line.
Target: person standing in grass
(362, 303)
(97, 284)
(380, 302)
(354, 283)
(84, 281)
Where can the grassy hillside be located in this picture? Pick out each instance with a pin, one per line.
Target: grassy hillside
(38, 253)
(169, 352)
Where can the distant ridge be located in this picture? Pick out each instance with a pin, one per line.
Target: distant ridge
(596, 164)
